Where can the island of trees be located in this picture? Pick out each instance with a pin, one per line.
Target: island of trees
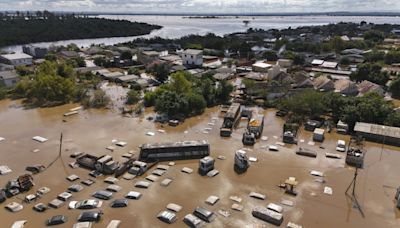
(23, 28)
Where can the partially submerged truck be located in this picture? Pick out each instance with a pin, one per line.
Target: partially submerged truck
(254, 130)
(290, 131)
(231, 119)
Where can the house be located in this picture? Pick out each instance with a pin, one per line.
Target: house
(378, 133)
(285, 63)
(323, 83)
(36, 52)
(258, 76)
(261, 67)
(353, 58)
(352, 51)
(317, 62)
(346, 87)
(127, 78)
(273, 72)
(369, 87)
(4, 67)
(301, 81)
(68, 54)
(9, 78)
(330, 65)
(192, 57)
(18, 59)
(146, 57)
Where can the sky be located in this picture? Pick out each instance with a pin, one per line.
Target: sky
(202, 6)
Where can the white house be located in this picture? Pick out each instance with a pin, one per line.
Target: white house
(17, 59)
(261, 67)
(192, 57)
(9, 78)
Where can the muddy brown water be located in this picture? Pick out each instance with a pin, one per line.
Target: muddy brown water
(92, 131)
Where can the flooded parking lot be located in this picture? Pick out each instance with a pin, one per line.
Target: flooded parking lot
(91, 131)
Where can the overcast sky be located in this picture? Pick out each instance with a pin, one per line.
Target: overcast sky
(202, 6)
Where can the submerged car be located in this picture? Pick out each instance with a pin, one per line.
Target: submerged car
(56, 220)
(341, 146)
(167, 217)
(14, 207)
(90, 216)
(192, 221)
(119, 203)
(85, 204)
(104, 195)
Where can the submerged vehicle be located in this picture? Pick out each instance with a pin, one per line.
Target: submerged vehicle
(355, 152)
(254, 130)
(290, 133)
(154, 152)
(241, 161)
(231, 119)
(206, 164)
(268, 215)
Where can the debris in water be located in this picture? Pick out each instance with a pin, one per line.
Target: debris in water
(237, 207)
(316, 173)
(4, 170)
(187, 170)
(150, 133)
(221, 157)
(2, 139)
(236, 199)
(328, 190)
(287, 203)
(39, 139)
(253, 159)
(224, 213)
(264, 138)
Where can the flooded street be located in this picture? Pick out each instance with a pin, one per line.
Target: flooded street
(91, 131)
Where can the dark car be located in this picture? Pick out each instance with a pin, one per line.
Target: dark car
(204, 214)
(35, 168)
(56, 220)
(40, 207)
(88, 182)
(75, 188)
(104, 195)
(90, 216)
(119, 203)
(3, 195)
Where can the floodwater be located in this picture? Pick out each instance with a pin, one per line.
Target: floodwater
(92, 131)
(178, 26)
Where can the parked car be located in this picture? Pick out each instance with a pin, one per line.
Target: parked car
(119, 203)
(341, 146)
(90, 216)
(85, 204)
(192, 221)
(204, 214)
(75, 188)
(56, 220)
(14, 207)
(114, 224)
(40, 207)
(3, 195)
(167, 217)
(82, 225)
(133, 195)
(104, 195)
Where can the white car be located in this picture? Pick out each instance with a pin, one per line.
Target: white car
(273, 148)
(341, 146)
(85, 204)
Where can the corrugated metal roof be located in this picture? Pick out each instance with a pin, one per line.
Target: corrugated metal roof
(377, 129)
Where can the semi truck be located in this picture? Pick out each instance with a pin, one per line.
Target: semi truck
(231, 119)
(254, 130)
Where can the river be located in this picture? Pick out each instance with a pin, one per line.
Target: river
(178, 26)
(91, 131)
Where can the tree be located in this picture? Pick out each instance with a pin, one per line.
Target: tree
(196, 103)
(133, 70)
(337, 44)
(224, 89)
(393, 119)
(99, 99)
(394, 88)
(371, 72)
(133, 97)
(308, 103)
(172, 104)
(126, 55)
(374, 36)
(179, 83)
(160, 71)
(392, 57)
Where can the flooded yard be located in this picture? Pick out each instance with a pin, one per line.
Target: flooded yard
(91, 131)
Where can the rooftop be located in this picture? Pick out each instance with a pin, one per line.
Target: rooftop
(377, 129)
(193, 51)
(16, 56)
(9, 74)
(175, 144)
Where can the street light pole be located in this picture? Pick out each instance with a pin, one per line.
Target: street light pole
(383, 141)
